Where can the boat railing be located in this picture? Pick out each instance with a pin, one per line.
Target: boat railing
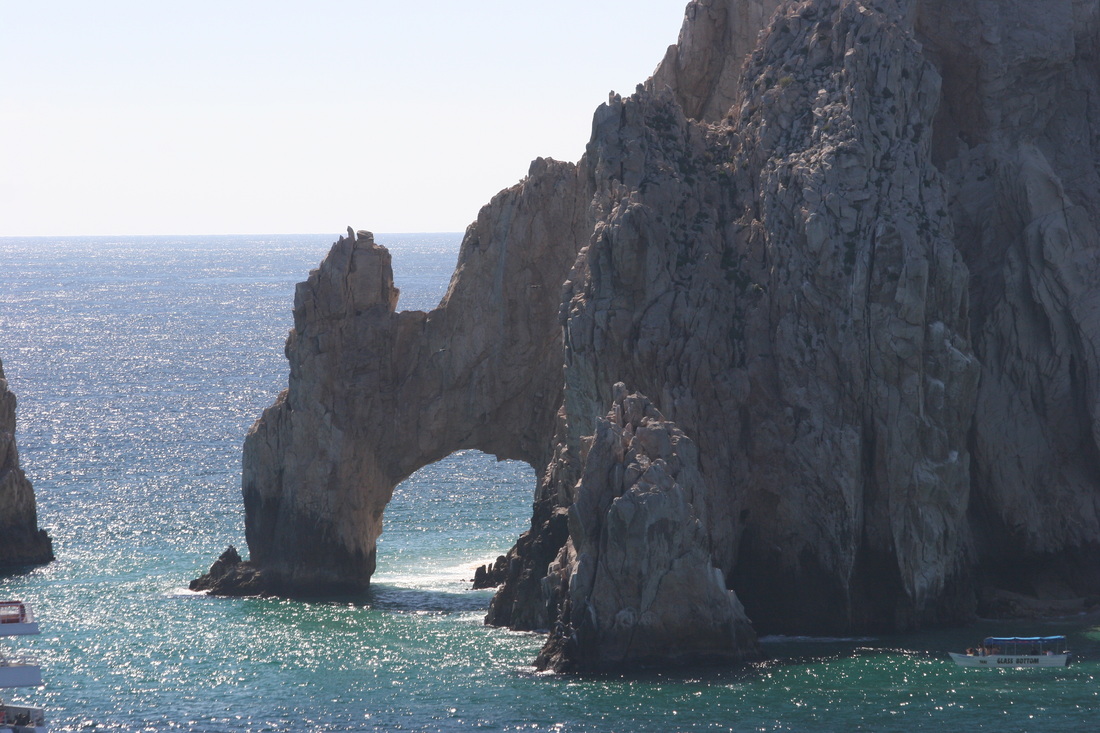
(15, 612)
(21, 715)
(18, 661)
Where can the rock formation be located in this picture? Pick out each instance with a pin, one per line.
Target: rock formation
(231, 576)
(375, 394)
(785, 286)
(703, 68)
(848, 249)
(21, 541)
(635, 581)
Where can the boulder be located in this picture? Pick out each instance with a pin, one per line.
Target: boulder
(230, 576)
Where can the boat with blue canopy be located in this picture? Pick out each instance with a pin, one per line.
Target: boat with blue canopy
(1016, 651)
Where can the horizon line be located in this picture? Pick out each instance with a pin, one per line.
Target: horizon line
(228, 234)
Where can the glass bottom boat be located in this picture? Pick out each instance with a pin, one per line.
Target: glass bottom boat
(1016, 651)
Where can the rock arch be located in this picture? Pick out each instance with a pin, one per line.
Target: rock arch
(375, 394)
(451, 517)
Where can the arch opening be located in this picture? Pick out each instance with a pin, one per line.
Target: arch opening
(449, 518)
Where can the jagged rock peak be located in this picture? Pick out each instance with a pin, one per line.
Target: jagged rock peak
(794, 267)
(636, 581)
(703, 68)
(21, 541)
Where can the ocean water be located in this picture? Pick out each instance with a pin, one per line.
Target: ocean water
(140, 362)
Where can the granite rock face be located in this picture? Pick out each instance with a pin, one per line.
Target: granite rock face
(785, 285)
(1017, 138)
(21, 541)
(703, 68)
(635, 581)
(847, 248)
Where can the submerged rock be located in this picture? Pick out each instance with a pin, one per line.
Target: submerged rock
(21, 541)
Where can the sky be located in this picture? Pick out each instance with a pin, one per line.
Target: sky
(247, 117)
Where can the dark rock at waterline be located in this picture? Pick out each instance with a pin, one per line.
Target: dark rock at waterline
(231, 576)
(997, 603)
(21, 541)
(519, 603)
(24, 548)
(491, 575)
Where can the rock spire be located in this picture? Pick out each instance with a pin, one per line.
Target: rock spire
(635, 583)
(21, 541)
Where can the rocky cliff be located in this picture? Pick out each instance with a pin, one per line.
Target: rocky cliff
(785, 283)
(1016, 136)
(21, 541)
(848, 249)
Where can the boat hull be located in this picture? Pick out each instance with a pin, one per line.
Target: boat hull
(19, 675)
(18, 628)
(1011, 660)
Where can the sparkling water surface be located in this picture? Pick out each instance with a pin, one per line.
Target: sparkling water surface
(140, 363)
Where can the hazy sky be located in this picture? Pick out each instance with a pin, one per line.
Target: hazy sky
(151, 117)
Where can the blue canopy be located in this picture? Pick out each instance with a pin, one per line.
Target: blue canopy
(1022, 639)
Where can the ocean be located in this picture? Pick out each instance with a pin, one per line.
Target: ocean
(140, 363)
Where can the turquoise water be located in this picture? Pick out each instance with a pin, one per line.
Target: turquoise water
(140, 363)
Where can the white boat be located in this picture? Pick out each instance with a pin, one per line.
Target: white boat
(16, 619)
(1016, 651)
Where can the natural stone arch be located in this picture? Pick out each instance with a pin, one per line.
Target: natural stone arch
(376, 394)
